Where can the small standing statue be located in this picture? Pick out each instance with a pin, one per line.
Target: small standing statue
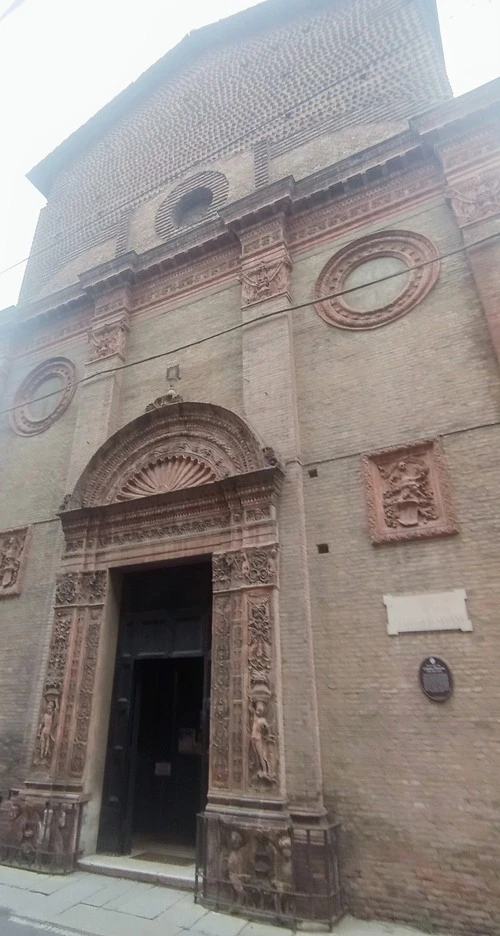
(262, 742)
(9, 563)
(283, 880)
(46, 731)
(236, 861)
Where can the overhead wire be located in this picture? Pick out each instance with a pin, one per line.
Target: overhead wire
(257, 319)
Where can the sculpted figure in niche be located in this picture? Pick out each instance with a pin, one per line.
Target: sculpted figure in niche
(46, 732)
(25, 830)
(263, 742)
(282, 883)
(236, 865)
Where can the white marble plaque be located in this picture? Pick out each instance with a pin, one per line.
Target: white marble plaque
(427, 612)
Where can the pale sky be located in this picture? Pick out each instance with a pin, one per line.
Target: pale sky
(61, 60)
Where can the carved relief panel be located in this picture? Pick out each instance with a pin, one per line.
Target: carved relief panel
(13, 551)
(62, 732)
(408, 493)
(108, 338)
(244, 736)
(266, 279)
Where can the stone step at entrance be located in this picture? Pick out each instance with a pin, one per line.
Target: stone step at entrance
(170, 869)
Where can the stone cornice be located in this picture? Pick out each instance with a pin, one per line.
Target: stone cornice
(469, 107)
(389, 160)
(232, 491)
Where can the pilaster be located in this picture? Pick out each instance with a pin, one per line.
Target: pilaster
(100, 390)
(6, 329)
(269, 393)
(471, 163)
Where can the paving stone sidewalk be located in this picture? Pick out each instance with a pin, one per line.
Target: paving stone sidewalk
(94, 905)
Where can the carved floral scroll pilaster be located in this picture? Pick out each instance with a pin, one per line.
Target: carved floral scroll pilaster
(62, 731)
(244, 737)
(220, 708)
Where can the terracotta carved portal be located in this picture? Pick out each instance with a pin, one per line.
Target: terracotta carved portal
(183, 480)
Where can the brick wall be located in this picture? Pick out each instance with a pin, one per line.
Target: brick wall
(413, 784)
(331, 66)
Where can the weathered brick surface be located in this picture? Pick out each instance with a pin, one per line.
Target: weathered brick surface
(414, 785)
(288, 83)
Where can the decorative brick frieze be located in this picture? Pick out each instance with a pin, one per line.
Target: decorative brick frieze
(13, 555)
(418, 254)
(408, 493)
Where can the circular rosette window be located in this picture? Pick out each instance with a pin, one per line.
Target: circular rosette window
(380, 277)
(43, 396)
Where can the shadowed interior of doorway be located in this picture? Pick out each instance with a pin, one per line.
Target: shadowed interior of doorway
(157, 755)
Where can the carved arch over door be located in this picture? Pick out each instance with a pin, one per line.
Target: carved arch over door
(179, 445)
(182, 480)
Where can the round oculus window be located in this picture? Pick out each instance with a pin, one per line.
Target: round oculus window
(43, 396)
(376, 279)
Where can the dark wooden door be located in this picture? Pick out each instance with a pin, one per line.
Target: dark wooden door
(162, 635)
(114, 830)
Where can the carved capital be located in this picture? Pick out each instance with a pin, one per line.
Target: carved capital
(476, 198)
(266, 278)
(245, 568)
(81, 588)
(108, 339)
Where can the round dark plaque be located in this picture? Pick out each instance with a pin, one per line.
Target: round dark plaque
(436, 679)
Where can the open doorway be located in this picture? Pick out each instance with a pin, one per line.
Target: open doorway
(156, 774)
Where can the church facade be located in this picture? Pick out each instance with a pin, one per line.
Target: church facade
(249, 535)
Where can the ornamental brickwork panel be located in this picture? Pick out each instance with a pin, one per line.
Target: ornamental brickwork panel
(408, 493)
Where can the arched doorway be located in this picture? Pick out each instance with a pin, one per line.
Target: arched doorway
(184, 484)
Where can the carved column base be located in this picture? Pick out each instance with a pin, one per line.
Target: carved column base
(266, 866)
(40, 832)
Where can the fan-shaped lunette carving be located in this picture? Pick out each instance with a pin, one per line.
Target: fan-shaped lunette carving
(204, 433)
(170, 475)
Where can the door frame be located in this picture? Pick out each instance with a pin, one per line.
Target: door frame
(132, 703)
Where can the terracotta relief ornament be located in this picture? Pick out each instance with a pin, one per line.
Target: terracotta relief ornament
(408, 493)
(265, 280)
(13, 546)
(417, 252)
(476, 198)
(258, 866)
(108, 339)
(23, 419)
